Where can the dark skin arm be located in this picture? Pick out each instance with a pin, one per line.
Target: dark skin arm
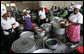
(20, 25)
(72, 23)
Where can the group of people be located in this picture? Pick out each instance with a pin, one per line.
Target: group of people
(63, 12)
(9, 24)
(74, 18)
(60, 12)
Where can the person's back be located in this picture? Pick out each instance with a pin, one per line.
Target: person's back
(28, 24)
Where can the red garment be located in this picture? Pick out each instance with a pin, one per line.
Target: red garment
(11, 51)
(34, 26)
(46, 10)
(80, 49)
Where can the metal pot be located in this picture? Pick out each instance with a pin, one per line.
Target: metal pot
(57, 29)
(51, 43)
(56, 20)
(46, 26)
(24, 45)
(40, 33)
(27, 34)
(43, 51)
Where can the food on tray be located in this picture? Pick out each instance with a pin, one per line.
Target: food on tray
(41, 29)
(63, 22)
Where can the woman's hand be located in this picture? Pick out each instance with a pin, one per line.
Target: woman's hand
(20, 25)
(63, 22)
(14, 24)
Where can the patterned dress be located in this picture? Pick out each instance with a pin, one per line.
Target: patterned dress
(73, 33)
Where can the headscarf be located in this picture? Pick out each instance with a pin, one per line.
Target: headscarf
(78, 6)
(3, 13)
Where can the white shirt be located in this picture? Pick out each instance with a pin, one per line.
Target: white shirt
(78, 18)
(42, 14)
(6, 25)
(12, 20)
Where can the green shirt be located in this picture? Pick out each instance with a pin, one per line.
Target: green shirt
(62, 15)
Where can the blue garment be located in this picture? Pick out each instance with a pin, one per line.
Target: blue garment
(28, 24)
(54, 13)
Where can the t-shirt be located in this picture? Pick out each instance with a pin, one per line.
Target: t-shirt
(42, 14)
(12, 20)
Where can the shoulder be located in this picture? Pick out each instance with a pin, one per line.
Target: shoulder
(80, 15)
(12, 17)
(2, 20)
(40, 12)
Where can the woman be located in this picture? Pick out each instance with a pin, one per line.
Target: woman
(28, 23)
(73, 29)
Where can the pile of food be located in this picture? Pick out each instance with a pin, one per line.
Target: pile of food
(52, 42)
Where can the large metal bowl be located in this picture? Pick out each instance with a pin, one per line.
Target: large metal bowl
(24, 45)
(43, 51)
(27, 34)
(51, 43)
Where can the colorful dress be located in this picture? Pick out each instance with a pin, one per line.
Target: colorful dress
(73, 31)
